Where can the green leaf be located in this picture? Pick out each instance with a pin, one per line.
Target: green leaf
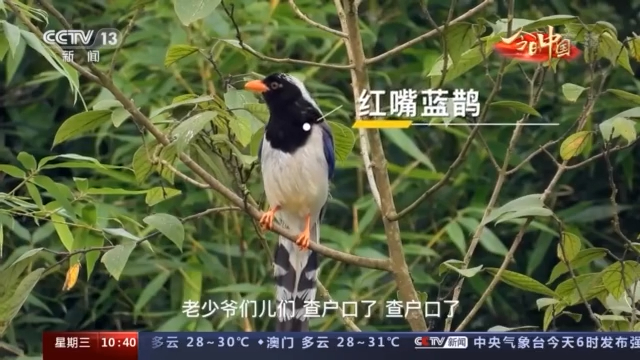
(177, 52)
(188, 129)
(12, 301)
(459, 38)
(620, 275)
(259, 111)
(572, 92)
(121, 232)
(58, 191)
(467, 61)
(4, 45)
(631, 113)
(625, 95)
(70, 73)
(27, 160)
(118, 116)
(13, 61)
(27, 254)
(343, 140)
(574, 144)
(82, 184)
(150, 291)
(406, 144)
(90, 240)
(63, 231)
(544, 302)
(522, 204)
(168, 225)
(524, 213)
(81, 123)
(634, 50)
(583, 258)
(141, 162)
(522, 282)
(588, 284)
(107, 104)
(159, 194)
(244, 123)
(518, 106)
(189, 11)
(455, 265)
(12, 34)
(618, 127)
(13, 171)
(456, 235)
(76, 157)
(116, 259)
(569, 247)
(610, 48)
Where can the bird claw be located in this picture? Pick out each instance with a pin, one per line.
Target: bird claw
(304, 239)
(266, 221)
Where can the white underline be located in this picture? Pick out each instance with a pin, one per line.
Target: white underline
(485, 124)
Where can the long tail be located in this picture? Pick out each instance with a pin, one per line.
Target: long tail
(295, 274)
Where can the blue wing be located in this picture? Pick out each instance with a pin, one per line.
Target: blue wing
(328, 147)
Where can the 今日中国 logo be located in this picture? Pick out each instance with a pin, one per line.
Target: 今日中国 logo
(537, 46)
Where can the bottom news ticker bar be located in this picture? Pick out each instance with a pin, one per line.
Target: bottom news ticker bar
(336, 346)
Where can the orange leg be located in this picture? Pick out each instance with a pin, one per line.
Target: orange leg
(305, 237)
(266, 221)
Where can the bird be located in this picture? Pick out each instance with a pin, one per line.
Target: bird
(297, 160)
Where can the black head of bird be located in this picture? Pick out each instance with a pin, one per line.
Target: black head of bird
(283, 92)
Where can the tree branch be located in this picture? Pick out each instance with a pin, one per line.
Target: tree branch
(428, 34)
(143, 121)
(348, 14)
(261, 56)
(306, 19)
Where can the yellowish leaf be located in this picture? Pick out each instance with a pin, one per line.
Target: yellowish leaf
(72, 277)
(574, 144)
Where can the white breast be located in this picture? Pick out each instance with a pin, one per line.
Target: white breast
(296, 182)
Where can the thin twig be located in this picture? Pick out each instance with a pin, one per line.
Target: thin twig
(429, 34)
(443, 37)
(125, 33)
(614, 204)
(306, 19)
(598, 156)
(261, 56)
